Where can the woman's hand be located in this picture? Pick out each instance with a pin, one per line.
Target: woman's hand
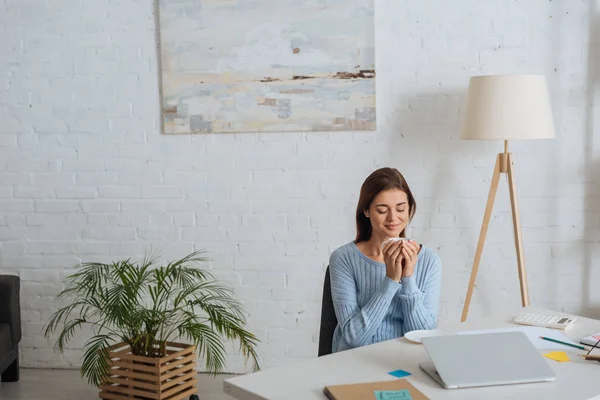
(410, 251)
(392, 256)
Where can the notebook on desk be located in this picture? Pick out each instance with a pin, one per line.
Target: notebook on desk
(591, 340)
(366, 391)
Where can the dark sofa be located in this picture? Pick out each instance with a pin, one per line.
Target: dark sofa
(10, 327)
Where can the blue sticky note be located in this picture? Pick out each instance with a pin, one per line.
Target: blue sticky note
(399, 373)
(392, 395)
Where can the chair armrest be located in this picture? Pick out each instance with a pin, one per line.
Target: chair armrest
(10, 305)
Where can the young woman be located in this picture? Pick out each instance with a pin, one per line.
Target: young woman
(382, 292)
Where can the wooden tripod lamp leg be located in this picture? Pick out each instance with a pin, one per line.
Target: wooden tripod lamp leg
(518, 236)
(482, 235)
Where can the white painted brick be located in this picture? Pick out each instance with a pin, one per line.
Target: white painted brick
(40, 275)
(162, 192)
(273, 207)
(304, 249)
(106, 220)
(441, 220)
(206, 193)
(56, 233)
(57, 206)
(120, 192)
(15, 220)
(76, 219)
(47, 248)
(45, 219)
(11, 233)
(8, 140)
(263, 279)
(122, 110)
(196, 206)
(15, 248)
(255, 263)
(134, 151)
(33, 166)
(249, 235)
(119, 164)
(93, 248)
(184, 219)
(140, 178)
(302, 280)
(159, 234)
(281, 335)
(16, 205)
(100, 206)
(209, 161)
(76, 192)
(229, 222)
(160, 219)
(264, 221)
(229, 207)
(15, 179)
(203, 234)
(236, 178)
(53, 180)
(260, 249)
(109, 233)
(6, 192)
(140, 220)
(271, 177)
(96, 178)
(253, 293)
(83, 165)
(195, 178)
(296, 235)
(228, 278)
(206, 220)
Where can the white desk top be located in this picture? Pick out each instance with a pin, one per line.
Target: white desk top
(578, 379)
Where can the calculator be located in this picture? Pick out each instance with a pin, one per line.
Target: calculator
(546, 321)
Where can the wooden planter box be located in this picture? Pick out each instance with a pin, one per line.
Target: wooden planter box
(172, 377)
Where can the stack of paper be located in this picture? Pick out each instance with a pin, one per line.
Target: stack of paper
(591, 340)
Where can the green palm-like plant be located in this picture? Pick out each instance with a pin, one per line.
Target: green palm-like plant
(146, 306)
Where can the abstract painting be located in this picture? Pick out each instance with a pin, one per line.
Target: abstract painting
(267, 65)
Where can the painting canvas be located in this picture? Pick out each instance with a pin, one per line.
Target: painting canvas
(267, 65)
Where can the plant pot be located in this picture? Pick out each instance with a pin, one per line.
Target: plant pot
(171, 377)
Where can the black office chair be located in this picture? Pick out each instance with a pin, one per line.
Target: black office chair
(328, 319)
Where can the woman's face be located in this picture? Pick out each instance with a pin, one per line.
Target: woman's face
(388, 213)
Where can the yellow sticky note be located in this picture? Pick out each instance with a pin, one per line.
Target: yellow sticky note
(559, 356)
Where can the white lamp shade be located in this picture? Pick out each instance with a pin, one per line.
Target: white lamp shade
(507, 107)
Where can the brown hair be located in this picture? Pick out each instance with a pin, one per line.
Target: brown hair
(380, 180)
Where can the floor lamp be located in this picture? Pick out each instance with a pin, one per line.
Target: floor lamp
(505, 107)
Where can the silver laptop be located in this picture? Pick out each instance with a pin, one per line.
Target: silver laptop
(503, 358)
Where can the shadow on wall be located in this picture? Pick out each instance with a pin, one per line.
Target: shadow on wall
(424, 143)
(592, 170)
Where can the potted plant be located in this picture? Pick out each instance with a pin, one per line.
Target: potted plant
(136, 312)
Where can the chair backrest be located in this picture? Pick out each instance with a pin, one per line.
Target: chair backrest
(328, 319)
(10, 305)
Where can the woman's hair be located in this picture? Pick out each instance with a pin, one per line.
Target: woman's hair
(380, 180)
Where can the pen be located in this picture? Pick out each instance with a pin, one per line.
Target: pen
(566, 344)
(587, 357)
(593, 347)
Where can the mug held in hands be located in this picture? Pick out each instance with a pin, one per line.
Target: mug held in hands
(397, 239)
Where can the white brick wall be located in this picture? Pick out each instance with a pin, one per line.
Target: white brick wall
(86, 175)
